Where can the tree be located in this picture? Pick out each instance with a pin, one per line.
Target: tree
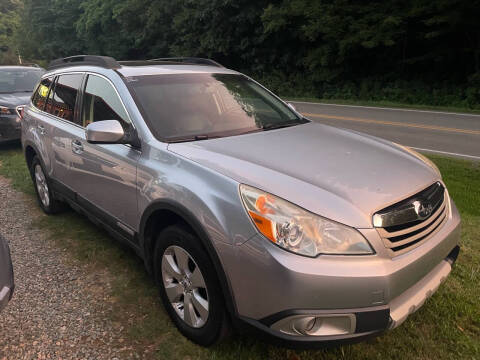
(47, 29)
(403, 50)
(9, 22)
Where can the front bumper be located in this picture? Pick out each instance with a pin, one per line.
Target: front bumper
(412, 299)
(10, 128)
(379, 290)
(368, 322)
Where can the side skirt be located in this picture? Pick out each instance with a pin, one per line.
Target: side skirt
(112, 225)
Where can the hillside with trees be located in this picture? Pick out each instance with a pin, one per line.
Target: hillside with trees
(417, 52)
(9, 22)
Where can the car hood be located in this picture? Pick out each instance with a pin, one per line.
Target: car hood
(339, 174)
(14, 99)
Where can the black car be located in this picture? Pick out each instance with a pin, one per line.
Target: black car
(6, 274)
(16, 87)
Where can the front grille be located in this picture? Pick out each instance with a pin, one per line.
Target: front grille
(411, 222)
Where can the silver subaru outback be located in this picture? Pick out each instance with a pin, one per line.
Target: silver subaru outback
(247, 214)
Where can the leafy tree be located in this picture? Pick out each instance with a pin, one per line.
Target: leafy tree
(129, 29)
(419, 51)
(228, 30)
(47, 29)
(9, 22)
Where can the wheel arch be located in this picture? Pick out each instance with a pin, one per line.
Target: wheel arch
(30, 151)
(164, 213)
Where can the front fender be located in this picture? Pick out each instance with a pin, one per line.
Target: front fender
(207, 201)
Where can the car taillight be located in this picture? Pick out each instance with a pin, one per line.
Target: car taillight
(4, 110)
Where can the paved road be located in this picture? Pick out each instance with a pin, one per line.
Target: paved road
(438, 132)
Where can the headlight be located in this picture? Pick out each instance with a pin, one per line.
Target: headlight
(298, 230)
(421, 158)
(5, 111)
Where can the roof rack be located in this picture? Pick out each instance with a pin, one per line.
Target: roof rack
(190, 60)
(143, 62)
(79, 60)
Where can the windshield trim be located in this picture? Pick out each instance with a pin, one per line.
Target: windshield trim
(225, 134)
(215, 135)
(207, 136)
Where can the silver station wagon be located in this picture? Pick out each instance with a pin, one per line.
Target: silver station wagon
(247, 214)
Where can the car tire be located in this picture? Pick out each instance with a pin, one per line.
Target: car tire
(181, 282)
(41, 183)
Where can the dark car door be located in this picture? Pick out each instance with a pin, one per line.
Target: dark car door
(6, 274)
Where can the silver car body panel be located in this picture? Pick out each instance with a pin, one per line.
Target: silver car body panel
(211, 196)
(412, 299)
(332, 172)
(328, 282)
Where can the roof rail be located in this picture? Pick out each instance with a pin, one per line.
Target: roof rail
(190, 60)
(79, 60)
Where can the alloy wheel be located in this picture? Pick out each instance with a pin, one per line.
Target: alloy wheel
(42, 186)
(185, 286)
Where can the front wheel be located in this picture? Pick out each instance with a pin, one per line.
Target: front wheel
(189, 287)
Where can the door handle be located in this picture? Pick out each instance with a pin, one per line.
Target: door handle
(77, 147)
(41, 129)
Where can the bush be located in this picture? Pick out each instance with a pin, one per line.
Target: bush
(412, 92)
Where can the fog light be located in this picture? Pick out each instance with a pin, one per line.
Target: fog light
(317, 325)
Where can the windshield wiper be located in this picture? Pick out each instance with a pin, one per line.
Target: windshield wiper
(192, 138)
(17, 91)
(283, 125)
(201, 137)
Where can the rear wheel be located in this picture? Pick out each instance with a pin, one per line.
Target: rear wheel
(189, 287)
(42, 188)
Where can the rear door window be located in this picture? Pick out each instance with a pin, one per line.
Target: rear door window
(64, 96)
(39, 98)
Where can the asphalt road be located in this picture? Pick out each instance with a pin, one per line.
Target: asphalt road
(446, 133)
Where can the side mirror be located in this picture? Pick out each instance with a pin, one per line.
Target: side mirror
(105, 132)
(292, 107)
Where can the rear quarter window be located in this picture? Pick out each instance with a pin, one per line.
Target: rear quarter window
(40, 95)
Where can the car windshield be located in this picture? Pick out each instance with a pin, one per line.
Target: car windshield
(19, 80)
(186, 107)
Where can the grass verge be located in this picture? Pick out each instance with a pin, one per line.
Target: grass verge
(448, 326)
(389, 104)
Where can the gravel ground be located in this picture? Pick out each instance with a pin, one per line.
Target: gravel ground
(60, 309)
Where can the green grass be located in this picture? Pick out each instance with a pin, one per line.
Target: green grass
(447, 327)
(390, 104)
